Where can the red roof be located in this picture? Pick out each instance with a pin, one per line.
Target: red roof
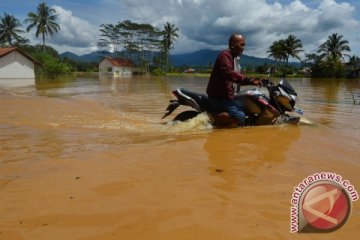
(6, 51)
(121, 62)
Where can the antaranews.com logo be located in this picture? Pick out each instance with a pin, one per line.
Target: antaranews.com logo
(321, 203)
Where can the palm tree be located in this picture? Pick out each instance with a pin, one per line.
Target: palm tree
(293, 47)
(334, 47)
(286, 48)
(169, 36)
(332, 53)
(44, 21)
(9, 29)
(277, 51)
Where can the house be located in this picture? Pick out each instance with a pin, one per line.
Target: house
(116, 67)
(189, 70)
(16, 67)
(306, 71)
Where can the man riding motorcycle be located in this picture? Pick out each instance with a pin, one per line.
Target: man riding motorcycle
(225, 73)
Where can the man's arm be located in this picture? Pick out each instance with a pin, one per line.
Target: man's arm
(227, 68)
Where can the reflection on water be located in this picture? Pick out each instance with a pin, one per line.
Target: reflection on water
(242, 152)
(95, 152)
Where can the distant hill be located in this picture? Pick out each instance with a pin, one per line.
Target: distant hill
(207, 57)
(203, 58)
(91, 57)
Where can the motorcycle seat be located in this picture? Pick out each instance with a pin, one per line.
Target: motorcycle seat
(201, 99)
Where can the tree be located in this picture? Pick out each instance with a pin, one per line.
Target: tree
(9, 30)
(293, 47)
(354, 65)
(111, 36)
(169, 35)
(44, 21)
(334, 47)
(332, 53)
(138, 40)
(277, 50)
(286, 48)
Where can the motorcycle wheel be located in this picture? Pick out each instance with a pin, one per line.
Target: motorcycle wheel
(184, 116)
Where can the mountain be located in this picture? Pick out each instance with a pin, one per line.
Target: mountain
(207, 57)
(71, 56)
(202, 58)
(91, 57)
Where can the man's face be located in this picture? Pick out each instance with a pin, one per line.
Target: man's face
(238, 46)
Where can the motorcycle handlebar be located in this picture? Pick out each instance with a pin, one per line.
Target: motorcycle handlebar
(266, 83)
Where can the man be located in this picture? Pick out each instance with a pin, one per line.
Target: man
(220, 88)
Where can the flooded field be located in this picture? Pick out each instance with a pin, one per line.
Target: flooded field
(92, 159)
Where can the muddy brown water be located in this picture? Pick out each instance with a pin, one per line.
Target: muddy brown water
(92, 159)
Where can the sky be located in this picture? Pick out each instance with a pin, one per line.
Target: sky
(202, 24)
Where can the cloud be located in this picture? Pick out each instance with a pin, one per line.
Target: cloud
(75, 33)
(208, 23)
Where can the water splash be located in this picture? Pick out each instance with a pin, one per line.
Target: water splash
(306, 121)
(138, 123)
(200, 122)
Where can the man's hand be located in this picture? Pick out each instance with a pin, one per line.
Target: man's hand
(256, 82)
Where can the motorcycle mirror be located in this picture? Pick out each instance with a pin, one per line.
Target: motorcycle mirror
(268, 72)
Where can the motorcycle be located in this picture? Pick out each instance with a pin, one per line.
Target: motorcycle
(260, 108)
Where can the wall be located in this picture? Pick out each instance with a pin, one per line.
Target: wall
(15, 66)
(16, 70)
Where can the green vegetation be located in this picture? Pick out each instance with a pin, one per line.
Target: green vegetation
(10, 30)
(139, 41)
(44, 21)
(284, 49)
(328, 61)
(169, 36)
(51, 66)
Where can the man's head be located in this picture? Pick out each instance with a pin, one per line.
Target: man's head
(236, 44)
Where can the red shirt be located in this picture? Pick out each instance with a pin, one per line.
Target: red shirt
(223, 76)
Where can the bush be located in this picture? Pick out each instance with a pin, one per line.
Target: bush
(157, 72)
(51, 67)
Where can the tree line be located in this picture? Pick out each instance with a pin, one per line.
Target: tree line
(328, 61)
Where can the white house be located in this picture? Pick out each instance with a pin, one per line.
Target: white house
(116, 67)
(16, 67)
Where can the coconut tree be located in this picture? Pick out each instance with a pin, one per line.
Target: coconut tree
(169, 35)
(277, 50)
(10, 29)
(334, 47)
(44, 21)
(293, 47)
(285, 48)
(333, 52)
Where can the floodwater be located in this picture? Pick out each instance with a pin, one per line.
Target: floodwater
(92, 159)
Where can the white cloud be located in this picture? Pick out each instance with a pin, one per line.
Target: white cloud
(75, 34)
(208, 24)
